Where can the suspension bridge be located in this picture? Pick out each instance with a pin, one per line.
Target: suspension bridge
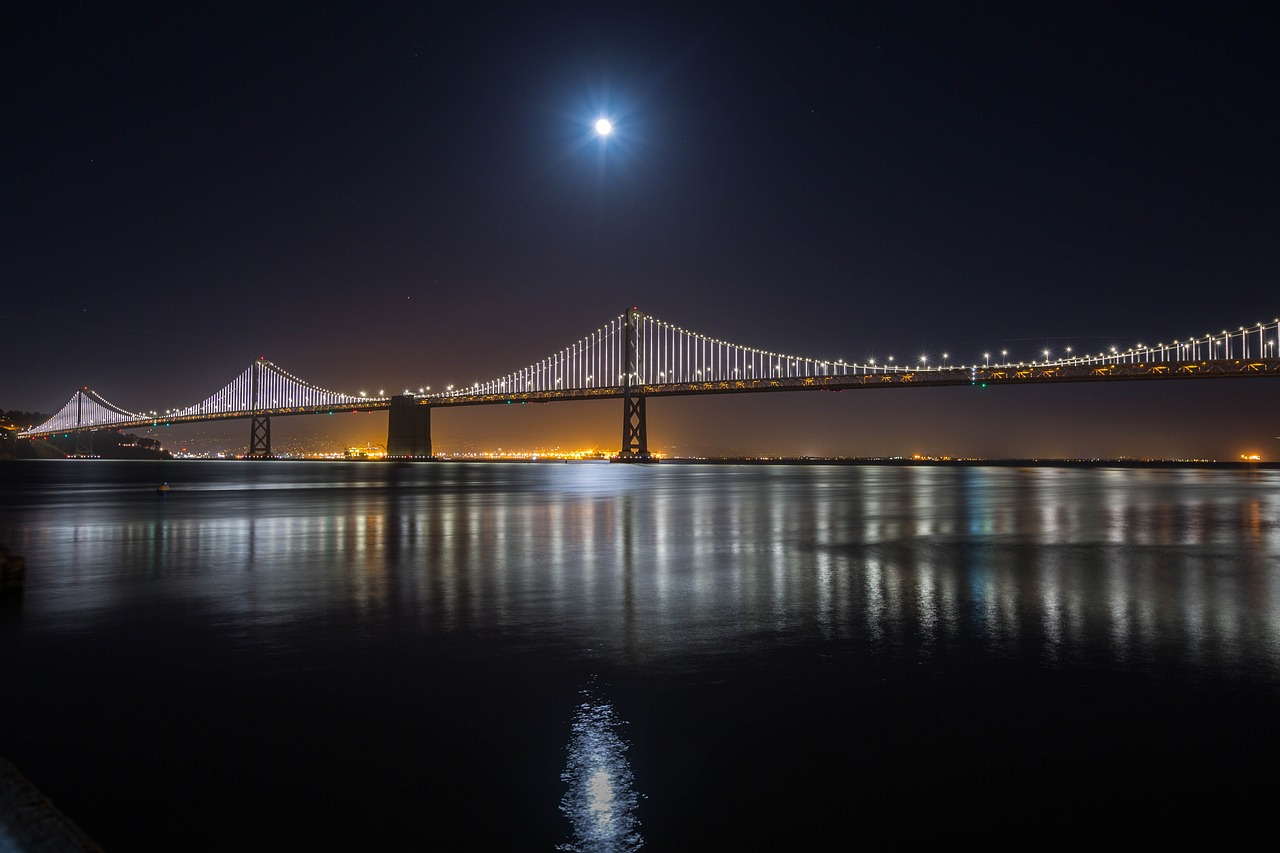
(636, 356)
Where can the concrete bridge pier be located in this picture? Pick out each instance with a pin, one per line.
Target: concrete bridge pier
(408, 428)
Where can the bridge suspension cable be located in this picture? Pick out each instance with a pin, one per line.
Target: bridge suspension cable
(85, 409)
(265, 385)
(263, 388)
(667, 354)
(594, 361)
(1245, 342)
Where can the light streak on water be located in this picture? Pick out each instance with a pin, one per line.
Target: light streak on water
(601, 800)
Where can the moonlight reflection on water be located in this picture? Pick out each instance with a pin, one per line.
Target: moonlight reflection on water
(601, 800)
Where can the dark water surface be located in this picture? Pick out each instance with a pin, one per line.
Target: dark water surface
(515, 657)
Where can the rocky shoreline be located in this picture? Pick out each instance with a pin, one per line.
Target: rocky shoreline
(31, 823)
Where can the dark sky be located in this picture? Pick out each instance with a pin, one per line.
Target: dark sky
(408, 196)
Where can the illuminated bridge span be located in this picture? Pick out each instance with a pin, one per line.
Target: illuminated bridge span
(635, 356)
(263, 389)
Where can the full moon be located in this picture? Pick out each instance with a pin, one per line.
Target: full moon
(604, 127)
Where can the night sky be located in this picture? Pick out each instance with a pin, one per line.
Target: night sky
(408, 196)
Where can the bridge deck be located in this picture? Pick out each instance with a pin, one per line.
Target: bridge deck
(1006, 375)
(1028, 374)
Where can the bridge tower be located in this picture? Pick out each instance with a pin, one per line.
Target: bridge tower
(260, 428)
(635, 435)
(408, 428)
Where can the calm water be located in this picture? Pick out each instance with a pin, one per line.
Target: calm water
(601, 657)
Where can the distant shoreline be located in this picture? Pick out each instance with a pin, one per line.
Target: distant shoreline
(985, 463)
(788, 460)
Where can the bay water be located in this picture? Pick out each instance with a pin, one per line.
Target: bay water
(594, 656)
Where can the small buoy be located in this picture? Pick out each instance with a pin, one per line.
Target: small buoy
(163, 488)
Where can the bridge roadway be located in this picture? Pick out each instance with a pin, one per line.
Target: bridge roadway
(409, 426)
(1023, 374)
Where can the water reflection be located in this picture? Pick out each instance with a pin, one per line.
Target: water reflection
(601, 800)
(677, 566)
